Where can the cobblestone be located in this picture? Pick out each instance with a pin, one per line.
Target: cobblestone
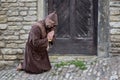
(97, 69)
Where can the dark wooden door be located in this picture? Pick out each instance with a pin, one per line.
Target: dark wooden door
(76, 29)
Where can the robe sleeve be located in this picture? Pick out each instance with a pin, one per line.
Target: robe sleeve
(36, 38)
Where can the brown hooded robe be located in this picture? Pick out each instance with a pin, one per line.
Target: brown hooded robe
(36, 58)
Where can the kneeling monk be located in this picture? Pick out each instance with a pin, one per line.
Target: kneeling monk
(36, 58)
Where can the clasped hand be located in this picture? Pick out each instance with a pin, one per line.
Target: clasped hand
(50, 35)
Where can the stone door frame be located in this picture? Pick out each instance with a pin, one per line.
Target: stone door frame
(103, 38)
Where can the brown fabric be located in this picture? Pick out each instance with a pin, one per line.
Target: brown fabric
(53, 16)
(36, 58)
(43, 30)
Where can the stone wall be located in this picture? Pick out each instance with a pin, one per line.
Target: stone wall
(115, 27)
(16, 17)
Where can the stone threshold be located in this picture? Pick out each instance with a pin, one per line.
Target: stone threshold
(68, 57)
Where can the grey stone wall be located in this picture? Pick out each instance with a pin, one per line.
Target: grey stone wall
(16, 17)
(115, 27)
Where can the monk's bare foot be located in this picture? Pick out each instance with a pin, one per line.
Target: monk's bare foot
(19, 67)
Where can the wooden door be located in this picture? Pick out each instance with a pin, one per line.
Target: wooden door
(75, 33)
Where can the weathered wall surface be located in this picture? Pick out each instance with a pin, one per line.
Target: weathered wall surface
(115, 27)
(16, 17)
(103, 28)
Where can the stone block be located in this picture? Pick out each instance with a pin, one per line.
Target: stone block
(11, 45)
(32, 12)
(21, 45)
(114, 12)
(23, 8)
(12, 13)
(15, 41)
(8, 32)
(115, 45)
(11, 51)
(1, 57)
(115, 38)
(115, 31)
(14, 23)
(3, 0)
(33, 8)
(1, 32)
(1, 8)
(10, 57)
(11, 0)
(4, 63)
(115, 18)
(114, 8)
(5, 9)
(30, 18)
(24, 36)
(115, 24)
(1, 37)
(114, 3)
(115, 50)
(14, 4)
(14, 27)
(19, 51)
(27, 27)
(9, 63)
(27, 31)
(3, 26)
(20, 56)
(11, 37)
(28, 0)
(5, 5)
(2, 12)
(22, 32)
(17, 33)
(14, 8)
(21, 4)
(23, 13)
(3, 18)
(28, 23)
(32, 4)
(2, 44)
(15, 19)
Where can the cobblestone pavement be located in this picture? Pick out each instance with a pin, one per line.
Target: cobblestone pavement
(97, 69)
